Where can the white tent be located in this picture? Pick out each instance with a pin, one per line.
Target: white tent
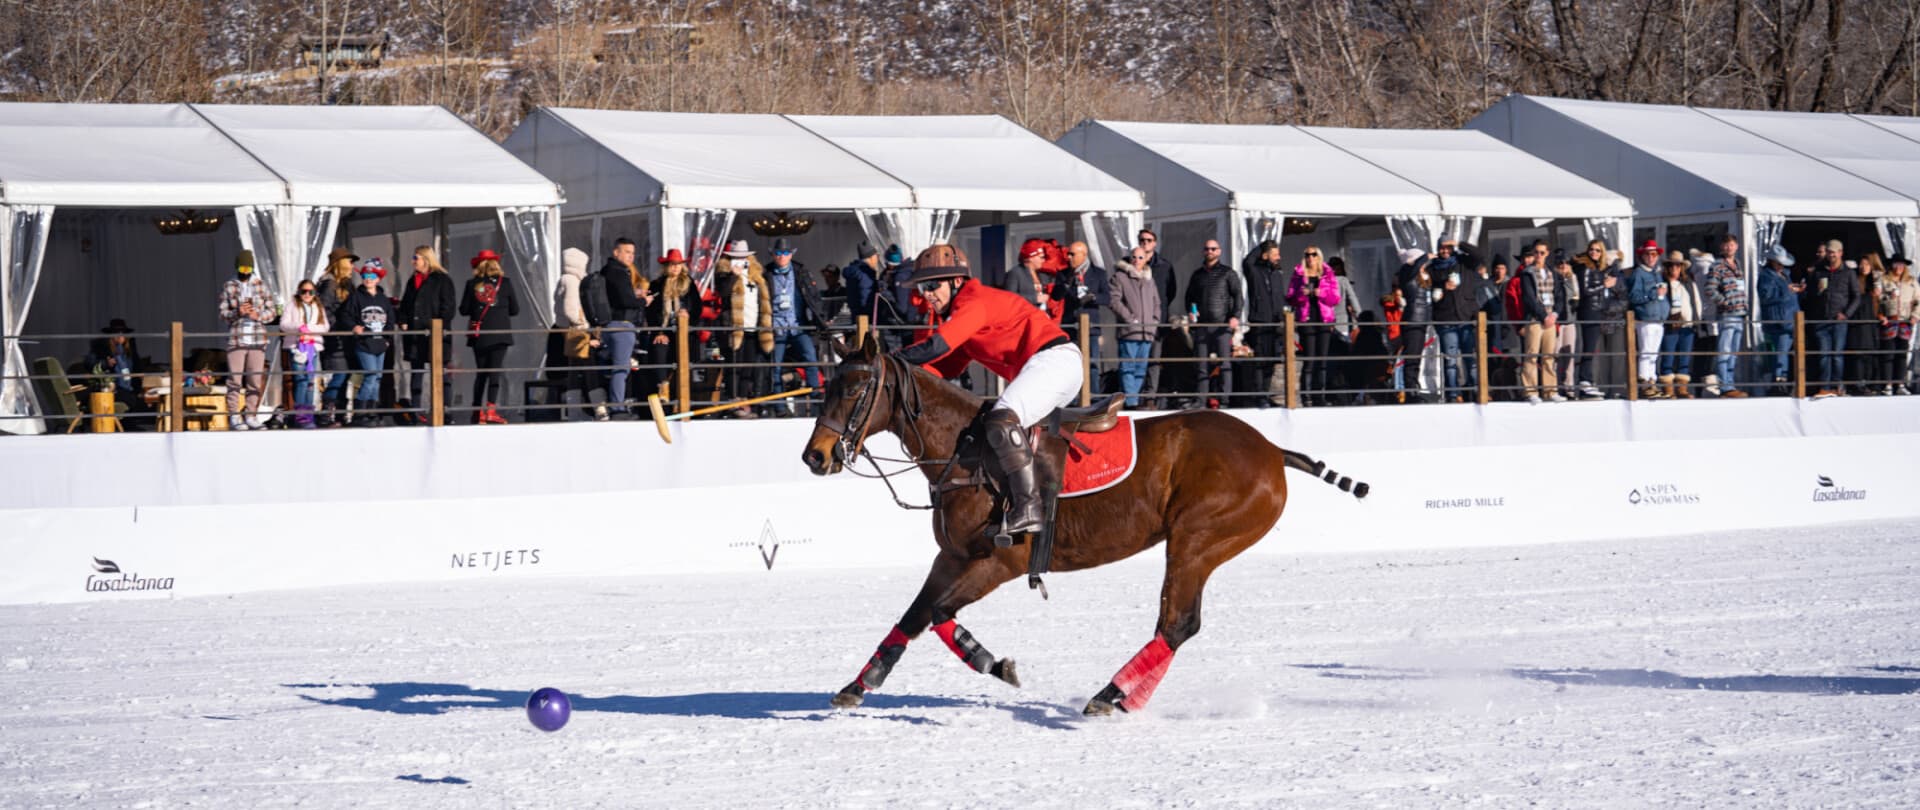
(1244, 181)
(680, 179)
(290, 176)
(1694, 171)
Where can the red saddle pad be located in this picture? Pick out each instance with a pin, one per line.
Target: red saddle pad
(1108, 460)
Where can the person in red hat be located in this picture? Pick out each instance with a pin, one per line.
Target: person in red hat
(673, 293)
(490, 303)
(372, 315)
(1647, 296)
(1011, 337)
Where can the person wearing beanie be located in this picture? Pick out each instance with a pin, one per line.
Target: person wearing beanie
(372, 318)
(570, 347)
(247, 308)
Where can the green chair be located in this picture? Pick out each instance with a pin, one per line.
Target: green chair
(56, 394)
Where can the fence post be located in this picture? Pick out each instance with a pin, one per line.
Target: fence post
(860, 326)
(176, 378)
(1086, 361)
(1633, 361)
(1799, 355)
(685, 372)
(436, 375)
(1484, 395)
(1291, 368)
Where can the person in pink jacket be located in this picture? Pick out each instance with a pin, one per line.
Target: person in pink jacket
(1314, 295)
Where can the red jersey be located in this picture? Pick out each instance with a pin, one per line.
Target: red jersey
(993, 327)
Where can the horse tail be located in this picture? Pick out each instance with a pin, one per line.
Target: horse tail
(1318, 469)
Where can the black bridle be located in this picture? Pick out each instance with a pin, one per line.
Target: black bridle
(885, 371)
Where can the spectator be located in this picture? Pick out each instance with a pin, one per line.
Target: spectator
(1491, 295)
(116, 358)
(573, 342)
(863, 283)
(1266, 316)
(1566, 306)
(1779, 301)
(1898, 296)
(247, 308)
(1136, 312)
(747, 313)
(1214, 296)
(1031, 280)
(332, 293)
(1683, 314)
(1081, 289)
(1169, 286)
(673, 292)
(833, 301)
(429, 297)
(1726, 289)
(1536, 318)
(1830, 297)
(1314, 294)
(372, 313)
(1371, 367)
(627, 292)
(1863, 329)
(490, 302)
(904, 312)
(1389, 321)
(797, 308)
(1647, 296)
(1413, 296)
(1457, 280)
(1346, 326)
(304, 322)
(1603, 320)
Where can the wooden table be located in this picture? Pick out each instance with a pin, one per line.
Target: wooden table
(206, 407)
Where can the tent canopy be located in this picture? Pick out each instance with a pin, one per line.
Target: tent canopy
(125, 156)
(1191, 168)
(615, 159)
(381, 157)
(1679, 160)
(1851, 144)
(974, 163)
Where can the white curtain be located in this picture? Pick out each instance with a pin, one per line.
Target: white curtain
(23, 243)
(1462, 229)
(1615, 231)
(1110, 235)
(1895, 236)
(698, 232)
(289, 243)
(1425, 232)
(532, 235)
(1250, 228)
(913, 229)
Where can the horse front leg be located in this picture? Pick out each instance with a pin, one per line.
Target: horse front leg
(954, 582)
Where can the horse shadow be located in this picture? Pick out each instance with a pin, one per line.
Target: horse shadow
(1651, 679)
(422, 698)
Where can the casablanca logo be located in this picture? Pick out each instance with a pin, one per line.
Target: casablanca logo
(1661, 495)
(769, 544)
(96, 583)
(1829, 492)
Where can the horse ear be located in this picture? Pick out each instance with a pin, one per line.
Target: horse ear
(870, 347)
(840, 348)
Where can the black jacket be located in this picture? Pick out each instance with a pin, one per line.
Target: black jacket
(1164, 278)
(372, 311)
(1457, 305)
(689, 303)
(1841, 294)
(1600, 304)
(1531, 310)
(1417, 299)
(1080, 292)
(483, 330)
(434, 298)
(1266, 290)
(1215, 290)
(626, 303)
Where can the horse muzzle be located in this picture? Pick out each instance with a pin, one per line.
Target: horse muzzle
(818, 463)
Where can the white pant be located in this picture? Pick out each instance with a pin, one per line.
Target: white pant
(1647, 337)
(1051, 379)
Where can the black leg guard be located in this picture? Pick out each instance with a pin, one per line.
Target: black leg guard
(976, 657)
(875, 672)
(1013, 462)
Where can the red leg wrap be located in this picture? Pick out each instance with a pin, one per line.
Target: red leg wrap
(1142, 673)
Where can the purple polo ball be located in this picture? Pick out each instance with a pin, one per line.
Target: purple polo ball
(549, 708)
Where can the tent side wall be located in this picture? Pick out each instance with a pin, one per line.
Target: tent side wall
(595, 179)
(1657, 188)
(1172, 191)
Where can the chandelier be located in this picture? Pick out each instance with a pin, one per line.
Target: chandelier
(780, 225)
(186, 222)
(1295, 225)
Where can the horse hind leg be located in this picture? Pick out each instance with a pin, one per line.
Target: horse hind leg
(1180, 594)
(951, 585)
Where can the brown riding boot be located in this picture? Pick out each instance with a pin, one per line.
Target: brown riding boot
(1683, 386)
(1013, 457)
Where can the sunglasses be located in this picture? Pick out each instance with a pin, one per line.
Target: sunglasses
(306, 291)
(1312, 255)
(783, 253)
(927, 287)
(1211, 249)
(1148, 239)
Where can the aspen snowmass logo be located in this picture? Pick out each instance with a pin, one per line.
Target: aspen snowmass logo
(125, 582)
(1828, 491)
(1661, 495)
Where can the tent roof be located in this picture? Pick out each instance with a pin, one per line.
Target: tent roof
(1679, 160)
(1477, 175)
(1250, 167)
(380, 157)
(1859, 147)
(975, 163)
(125, 156)
(707, 160)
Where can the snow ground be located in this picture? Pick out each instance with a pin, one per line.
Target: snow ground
(1764, 668)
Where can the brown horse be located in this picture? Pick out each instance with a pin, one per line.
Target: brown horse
(1205, 483)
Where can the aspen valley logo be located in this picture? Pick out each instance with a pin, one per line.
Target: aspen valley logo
(100, 582)
(768, 545)
(1828, 491)
(1664, 494)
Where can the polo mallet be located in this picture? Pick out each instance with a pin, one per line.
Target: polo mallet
(661, 417)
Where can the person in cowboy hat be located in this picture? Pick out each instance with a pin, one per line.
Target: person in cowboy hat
(114, 355)
(674, 292)
(743, 305)
(1013, 338)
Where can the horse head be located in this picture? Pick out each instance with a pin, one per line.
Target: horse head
(857, 404)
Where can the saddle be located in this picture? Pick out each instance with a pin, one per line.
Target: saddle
(1050, 463)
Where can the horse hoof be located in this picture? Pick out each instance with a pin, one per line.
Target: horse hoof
(849, 697)
(1098, 708)
(1004, 670)
(1106, 702)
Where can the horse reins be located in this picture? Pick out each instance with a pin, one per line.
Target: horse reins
(852, 443)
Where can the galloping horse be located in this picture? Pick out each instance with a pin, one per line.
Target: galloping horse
(1206, 483)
